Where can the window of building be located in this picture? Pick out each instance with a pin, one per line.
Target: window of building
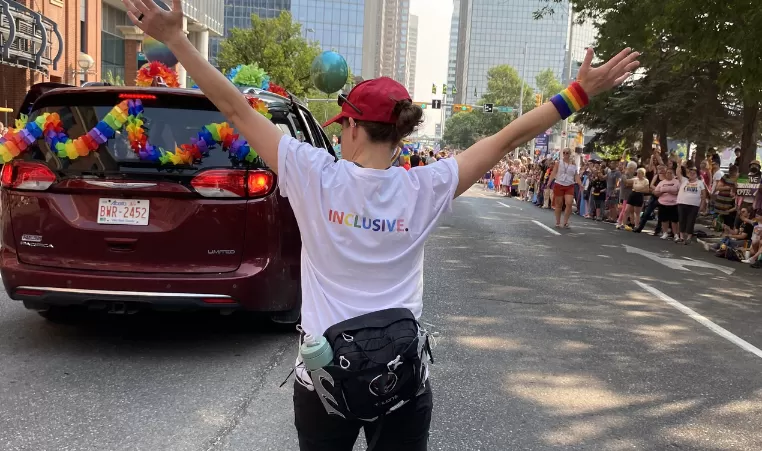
(82, 26)
(112, 42)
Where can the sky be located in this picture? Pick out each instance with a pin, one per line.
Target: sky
(434, 18)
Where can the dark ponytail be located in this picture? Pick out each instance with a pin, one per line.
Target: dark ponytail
(409, 116)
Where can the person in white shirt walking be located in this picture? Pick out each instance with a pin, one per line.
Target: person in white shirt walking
(564, 177)
(364, 223)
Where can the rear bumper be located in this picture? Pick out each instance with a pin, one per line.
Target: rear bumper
(47, 296)
(263, 286)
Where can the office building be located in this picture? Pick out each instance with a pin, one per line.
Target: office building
(371, 34)
(336, 24)
(237, 14)
(121, 49)
(492, 33)
(452, 58)
(412, 54)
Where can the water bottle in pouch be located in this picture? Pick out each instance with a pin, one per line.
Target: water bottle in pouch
(316, 352)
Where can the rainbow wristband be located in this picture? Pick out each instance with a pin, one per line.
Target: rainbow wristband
(570, 100)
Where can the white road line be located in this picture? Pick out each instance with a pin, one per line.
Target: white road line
(508, 206)
(546, 227)
(724, 333)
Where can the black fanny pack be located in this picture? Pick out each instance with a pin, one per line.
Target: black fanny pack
(378, 364)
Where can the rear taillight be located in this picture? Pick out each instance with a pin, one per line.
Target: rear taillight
(27, 176)
(233, 183)
(260, 183)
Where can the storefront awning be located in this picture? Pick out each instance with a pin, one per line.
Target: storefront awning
(27, 38)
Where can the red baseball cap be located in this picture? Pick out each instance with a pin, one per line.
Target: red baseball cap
(372, 101)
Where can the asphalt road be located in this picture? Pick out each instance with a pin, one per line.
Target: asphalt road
(581, 339)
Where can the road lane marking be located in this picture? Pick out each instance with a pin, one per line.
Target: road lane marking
(677, 264)
(722, 332)
(546, 227)
(508, 206)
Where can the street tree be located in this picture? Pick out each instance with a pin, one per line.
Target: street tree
(463, 130)
(324, 110)
(547, 84)
(504, 88)
(701, 64)
(277, 46)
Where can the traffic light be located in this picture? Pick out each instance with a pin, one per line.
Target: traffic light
(538, 99)
(423, 105)
(433, 88)
(461, 108)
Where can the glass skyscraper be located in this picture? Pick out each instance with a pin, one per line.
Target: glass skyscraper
(335, 24)
(452, 59)
(495, 32)
(238, 15)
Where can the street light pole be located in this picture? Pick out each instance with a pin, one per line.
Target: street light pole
(565, 141)
(521, 97)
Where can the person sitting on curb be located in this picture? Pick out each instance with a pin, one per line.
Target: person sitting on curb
(736, 237)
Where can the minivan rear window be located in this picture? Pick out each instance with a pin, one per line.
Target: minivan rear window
(168, 138)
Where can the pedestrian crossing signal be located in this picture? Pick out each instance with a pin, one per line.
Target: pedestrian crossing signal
(434, 88)
(444, 89)
(538, 100)
(454, 90)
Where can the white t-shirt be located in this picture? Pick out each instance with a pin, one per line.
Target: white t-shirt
(690, 192)
(715, 178)
(363, 231)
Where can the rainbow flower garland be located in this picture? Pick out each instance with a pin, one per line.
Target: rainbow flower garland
(128, 114)
(49, 126)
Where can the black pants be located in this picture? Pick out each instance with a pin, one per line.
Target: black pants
(650, 208)
(688, 215)
(405, 429)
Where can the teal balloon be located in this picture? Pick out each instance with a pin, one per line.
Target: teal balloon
(329, 72)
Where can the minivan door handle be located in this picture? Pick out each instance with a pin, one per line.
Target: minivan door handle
(121, 244)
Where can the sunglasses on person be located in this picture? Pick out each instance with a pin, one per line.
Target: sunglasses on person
(567, 153)
(343, 99)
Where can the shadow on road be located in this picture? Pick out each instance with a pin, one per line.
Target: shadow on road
(553, 353)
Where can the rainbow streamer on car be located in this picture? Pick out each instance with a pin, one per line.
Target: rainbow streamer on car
(127, 115)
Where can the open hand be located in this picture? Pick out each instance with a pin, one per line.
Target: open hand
(155, 21)
(595, 80)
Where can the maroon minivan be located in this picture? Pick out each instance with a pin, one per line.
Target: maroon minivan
(111, 231)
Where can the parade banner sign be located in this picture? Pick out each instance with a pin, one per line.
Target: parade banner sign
(748, 186)
(541, 142)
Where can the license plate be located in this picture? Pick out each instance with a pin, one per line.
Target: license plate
(123, 211)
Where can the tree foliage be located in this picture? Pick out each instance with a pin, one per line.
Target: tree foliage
(324, 110)
(700, 79)
(503, 89)
(277, 46)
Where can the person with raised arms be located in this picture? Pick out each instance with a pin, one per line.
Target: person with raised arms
(373, 269)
